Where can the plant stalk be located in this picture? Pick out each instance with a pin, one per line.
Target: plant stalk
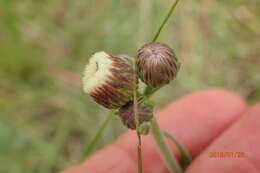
(139, 155)
(135, 107)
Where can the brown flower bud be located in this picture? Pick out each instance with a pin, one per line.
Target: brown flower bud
(145, 113)
(157, 64)
(108, 80)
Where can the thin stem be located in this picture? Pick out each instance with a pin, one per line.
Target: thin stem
(164, 148)
(139, 153)
(185, 156)
(139, 145)
(89, 148)
(165, 20)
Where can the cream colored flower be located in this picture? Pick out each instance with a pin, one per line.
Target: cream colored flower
(108, 80)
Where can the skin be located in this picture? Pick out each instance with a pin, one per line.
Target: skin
(212, 120)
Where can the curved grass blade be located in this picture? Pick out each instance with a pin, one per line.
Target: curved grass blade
(171, 161)
(89, 148)
(185, 156)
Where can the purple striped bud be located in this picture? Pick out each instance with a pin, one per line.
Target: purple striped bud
(157, 64)
(108, 80)
(145, 113)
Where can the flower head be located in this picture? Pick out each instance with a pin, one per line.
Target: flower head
(108, 80)
(157, 64)
(145, 113)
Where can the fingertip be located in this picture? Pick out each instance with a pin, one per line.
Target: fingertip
(236, 150)
(212, 96)
(109, 159)
(255, 110)
(202, 115)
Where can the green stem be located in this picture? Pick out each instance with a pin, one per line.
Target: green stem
(139, 154)
(165, 20)
(139, 145)
(148, 92)
(185, 156)
(89, 148)
(164, 148)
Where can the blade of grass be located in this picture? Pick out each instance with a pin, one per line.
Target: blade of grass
(185, 156)
(164, 148)
(165, 20)
(89, 148)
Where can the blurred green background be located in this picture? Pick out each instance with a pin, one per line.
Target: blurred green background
(46, 119)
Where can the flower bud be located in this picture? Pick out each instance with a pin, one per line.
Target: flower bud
(144, 128)
(108, 80)
(145, 113)
(157, 64)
